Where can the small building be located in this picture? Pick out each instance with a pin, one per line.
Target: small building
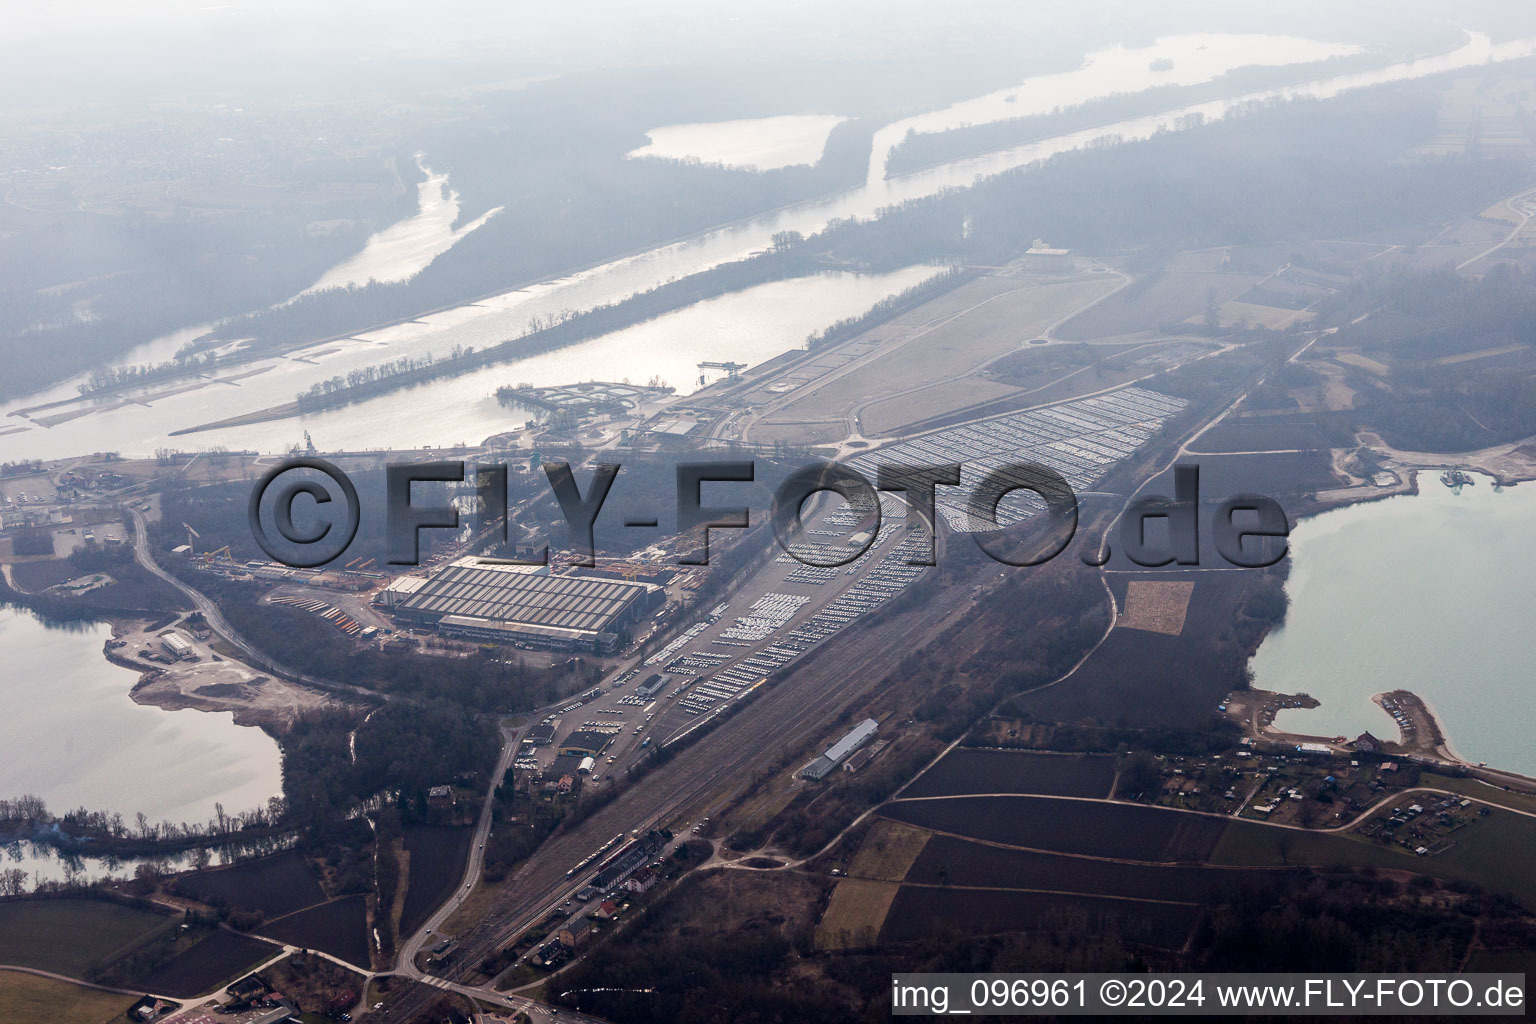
(565, 784)
(839, 751)
(863, 757)
(606, 910)
(651, 687)
(542, 734)
(586, 766)
(1043, 257)
(817, 769)
(440, 797)
(576, 932)
(149, 1008)
(1367, 744)
(642, 880)
(853, 739)
(177, 646)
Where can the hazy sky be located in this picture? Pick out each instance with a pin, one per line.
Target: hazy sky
(94, 50)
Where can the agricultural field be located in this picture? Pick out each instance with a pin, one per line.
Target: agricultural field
(275, 885)
(1127, 831)
(959, 862)
(26, 997)
(338, 927)
(438, 854)
(913, 915)
(888, 851)
(1482, 854)
(1286, 476)
(856, 914)
(1157, 606)
(1167, 680)
(207, 965)
(965, 770)
(1251, 314)
(67, 936)
(1181, 295)
(1238, 433)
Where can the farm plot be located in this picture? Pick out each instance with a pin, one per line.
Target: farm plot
(1482, 855)
(964, 771)
(67, 936)
(888, 851)
(207, 965)
(438, 854)
(26, 997)
(989, 911)
(856, 914)
(275, 885)
(1172, 298)
(338, 927)
(950, 861)
(1128, 831)
(1157, 606)
(1292, 432)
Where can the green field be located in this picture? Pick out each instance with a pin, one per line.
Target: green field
(26, 997)
(67, 936)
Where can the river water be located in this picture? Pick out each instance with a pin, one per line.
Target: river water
(760, 143)
(1429, 593)
(72, 735)
(140, 428)
(405, 248)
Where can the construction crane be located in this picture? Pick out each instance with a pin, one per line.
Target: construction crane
(209, 556)
(732, 370)
(192, 537)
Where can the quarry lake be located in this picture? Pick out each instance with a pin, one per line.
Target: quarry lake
(1377, 589)
(72, 735)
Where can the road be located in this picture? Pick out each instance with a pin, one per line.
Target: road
(1519, 227)
(782, 719)
(221, 626)
(406, 964)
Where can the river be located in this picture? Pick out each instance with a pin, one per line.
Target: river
(141, 428)
(760, 143)
(1429, 593)
(405, 248)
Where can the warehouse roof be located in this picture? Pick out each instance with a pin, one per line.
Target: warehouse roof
(512, 594)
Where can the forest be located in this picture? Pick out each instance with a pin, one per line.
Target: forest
(402, 749)
(1431, 400)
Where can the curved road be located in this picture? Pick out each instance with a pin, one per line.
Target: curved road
(221, 626)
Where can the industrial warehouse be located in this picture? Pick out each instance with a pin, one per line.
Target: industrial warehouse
(837, 752)
(523, 605)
